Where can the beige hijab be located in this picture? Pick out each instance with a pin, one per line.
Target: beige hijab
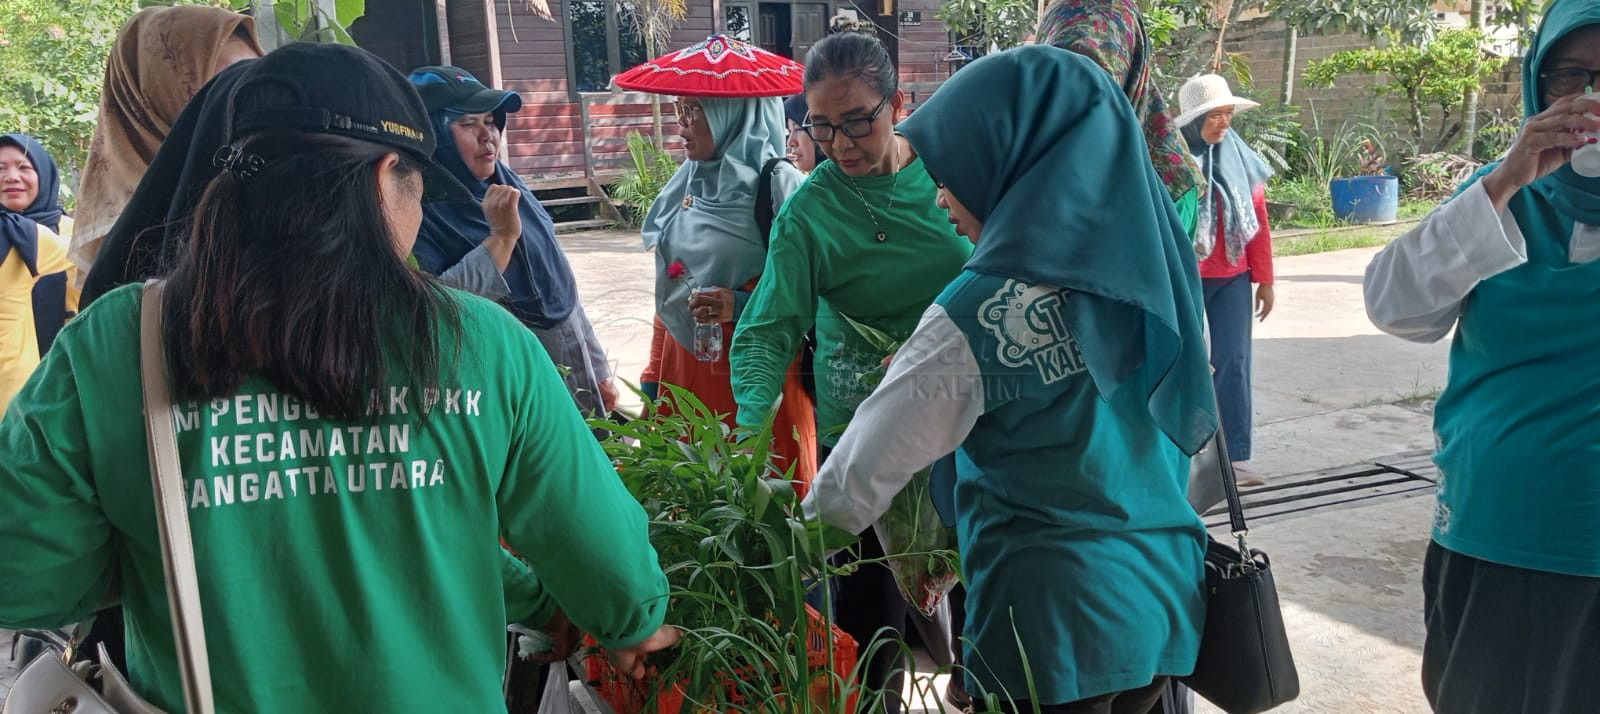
(161, 58)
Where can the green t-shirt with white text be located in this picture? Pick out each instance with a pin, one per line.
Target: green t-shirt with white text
(343, 566)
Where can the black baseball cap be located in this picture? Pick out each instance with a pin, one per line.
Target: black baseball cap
(343, 90)
(455, 88)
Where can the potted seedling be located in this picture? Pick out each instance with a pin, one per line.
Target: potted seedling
(724, 523)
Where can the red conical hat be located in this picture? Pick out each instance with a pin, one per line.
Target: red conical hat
(718, 67)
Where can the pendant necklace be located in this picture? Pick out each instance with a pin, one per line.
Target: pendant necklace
(881, 235)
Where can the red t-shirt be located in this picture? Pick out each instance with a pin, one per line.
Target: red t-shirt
(1257, 256)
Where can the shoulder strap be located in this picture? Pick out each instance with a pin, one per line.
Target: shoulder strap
(172, 515)
(1230, 490)
(764, 214)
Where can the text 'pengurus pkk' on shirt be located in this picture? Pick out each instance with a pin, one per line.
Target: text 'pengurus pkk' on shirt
(273, 446)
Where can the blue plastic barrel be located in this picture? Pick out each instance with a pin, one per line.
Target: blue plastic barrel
(1365, 199)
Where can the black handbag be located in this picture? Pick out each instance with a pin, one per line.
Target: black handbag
(1245, 665)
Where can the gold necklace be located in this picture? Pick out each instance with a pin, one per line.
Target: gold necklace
(881, 235)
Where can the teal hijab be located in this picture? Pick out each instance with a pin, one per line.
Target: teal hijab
(715, 235)
(1575, 196)
(1043, 148)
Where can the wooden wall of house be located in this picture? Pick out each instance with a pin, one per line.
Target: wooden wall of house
(469, 33)
(545, 140)
(405, 34)
(922, 52)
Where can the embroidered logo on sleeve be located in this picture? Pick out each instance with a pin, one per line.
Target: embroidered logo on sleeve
(1032, 330)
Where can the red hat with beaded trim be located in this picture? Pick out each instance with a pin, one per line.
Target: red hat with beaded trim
(719, 67)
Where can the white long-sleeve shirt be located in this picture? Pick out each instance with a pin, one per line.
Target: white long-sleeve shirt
(1414, 286)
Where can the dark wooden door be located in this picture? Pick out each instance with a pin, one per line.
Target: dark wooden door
(810, 24)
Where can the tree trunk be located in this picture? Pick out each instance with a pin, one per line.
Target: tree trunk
(1291, 39)
(1469, 111)
(649, 33)
(655, 121)
(1414, 96)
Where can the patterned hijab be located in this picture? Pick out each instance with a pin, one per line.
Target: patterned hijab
(1111, 33)
(162, 57)
(1233, 170)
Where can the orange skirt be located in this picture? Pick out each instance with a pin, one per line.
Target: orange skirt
(795, 430)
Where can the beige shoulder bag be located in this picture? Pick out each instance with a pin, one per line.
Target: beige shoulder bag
(53, 683)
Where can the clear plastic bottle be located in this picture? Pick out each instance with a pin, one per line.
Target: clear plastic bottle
(1586, 158)
(707, 339)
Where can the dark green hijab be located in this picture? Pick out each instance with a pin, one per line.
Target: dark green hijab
(1575, 196)
(1043, 148)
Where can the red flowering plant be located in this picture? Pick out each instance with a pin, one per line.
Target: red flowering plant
(676, 270)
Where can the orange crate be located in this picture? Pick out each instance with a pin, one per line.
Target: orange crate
(627, 696)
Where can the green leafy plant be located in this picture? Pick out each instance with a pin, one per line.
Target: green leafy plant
(1430, 75)
(1497, 131)
(300, 20)
(1522, 15)
(1330, 156)
(641, 183)
(1312, 204)
(1162, 19)
(1272, 130)
(1002, 23)
(52, 63)
(737, 559)
(1410, 20)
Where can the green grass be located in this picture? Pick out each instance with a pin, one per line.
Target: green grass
(1414, 209)
(1326, 242)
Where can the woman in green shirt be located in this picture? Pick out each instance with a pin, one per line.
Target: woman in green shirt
(861, 241)
(354, 437)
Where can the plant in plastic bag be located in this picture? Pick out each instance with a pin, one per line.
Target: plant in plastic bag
(919, 548)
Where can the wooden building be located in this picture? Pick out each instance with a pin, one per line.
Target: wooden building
(561, 55)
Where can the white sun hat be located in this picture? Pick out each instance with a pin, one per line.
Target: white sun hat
(1205, 92)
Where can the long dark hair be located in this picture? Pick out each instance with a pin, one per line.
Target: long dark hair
(291, 274)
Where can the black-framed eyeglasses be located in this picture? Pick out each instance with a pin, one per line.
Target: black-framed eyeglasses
(1568, 80)
(858, 128)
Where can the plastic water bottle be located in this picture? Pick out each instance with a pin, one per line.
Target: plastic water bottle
(1586, 158)
(708, 340)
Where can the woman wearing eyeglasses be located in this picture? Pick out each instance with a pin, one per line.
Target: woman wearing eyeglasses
(860, 251)
(707, 229)
(1511, 265)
